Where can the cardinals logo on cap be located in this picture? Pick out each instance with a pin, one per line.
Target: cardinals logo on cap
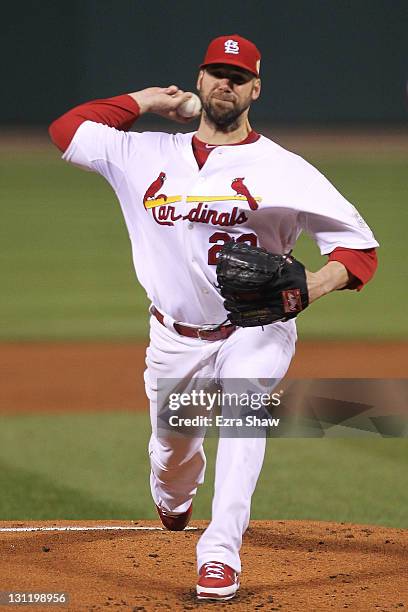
(231, 46)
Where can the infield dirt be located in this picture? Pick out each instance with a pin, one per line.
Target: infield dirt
(288, 565)
(55, 377)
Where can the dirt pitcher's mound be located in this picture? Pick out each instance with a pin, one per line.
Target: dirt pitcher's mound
(287, 565)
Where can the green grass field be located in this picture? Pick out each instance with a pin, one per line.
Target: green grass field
(94, 466)
(67, 270)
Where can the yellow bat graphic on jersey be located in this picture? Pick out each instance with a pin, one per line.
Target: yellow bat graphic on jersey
(191, 199)
(151, 200)
(220, 198)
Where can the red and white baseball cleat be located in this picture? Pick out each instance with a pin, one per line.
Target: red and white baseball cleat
(175, 522)
(217, 581)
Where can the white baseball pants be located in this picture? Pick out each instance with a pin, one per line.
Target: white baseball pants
(178, 463)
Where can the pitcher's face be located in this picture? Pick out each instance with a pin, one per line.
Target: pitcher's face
(226, 92)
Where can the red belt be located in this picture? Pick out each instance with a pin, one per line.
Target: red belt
(218, 332)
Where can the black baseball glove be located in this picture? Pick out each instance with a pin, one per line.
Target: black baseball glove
(260, 287)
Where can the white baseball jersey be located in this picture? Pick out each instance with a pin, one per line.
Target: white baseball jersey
(178, 216)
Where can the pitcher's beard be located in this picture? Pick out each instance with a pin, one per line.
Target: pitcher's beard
(225, 120)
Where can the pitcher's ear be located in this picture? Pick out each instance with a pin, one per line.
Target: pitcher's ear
(199, 79)
(256, 92)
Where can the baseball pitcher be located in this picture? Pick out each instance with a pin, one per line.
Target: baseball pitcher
(213, 216)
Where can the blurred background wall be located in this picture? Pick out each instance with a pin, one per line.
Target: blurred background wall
(323, 60)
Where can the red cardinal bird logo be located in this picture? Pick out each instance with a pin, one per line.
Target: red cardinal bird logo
(241, 189)
(154, 188)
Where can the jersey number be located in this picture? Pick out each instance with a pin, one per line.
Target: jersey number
(220, 238)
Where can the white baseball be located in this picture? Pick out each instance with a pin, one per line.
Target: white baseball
(191, 107)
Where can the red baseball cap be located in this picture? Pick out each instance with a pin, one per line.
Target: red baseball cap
(234, 50)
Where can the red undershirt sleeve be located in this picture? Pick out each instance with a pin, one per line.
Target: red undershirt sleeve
(119, 112)
(361, 263)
